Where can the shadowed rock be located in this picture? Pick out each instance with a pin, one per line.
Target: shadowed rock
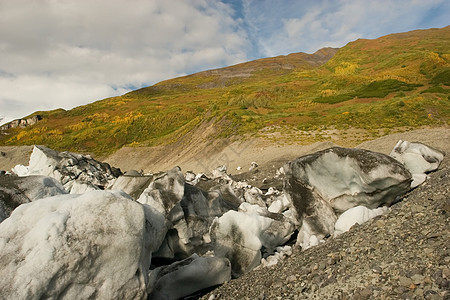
(188, 276)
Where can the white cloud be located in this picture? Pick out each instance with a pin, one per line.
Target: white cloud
(64, 53)
(33, 93)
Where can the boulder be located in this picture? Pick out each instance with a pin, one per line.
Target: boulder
(188, 276)
(241, 235)
(68, 168)
(15, 191)
(326, 183)
(418, 158)
(95, 245)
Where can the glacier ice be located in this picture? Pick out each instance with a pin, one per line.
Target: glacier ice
(418, 158)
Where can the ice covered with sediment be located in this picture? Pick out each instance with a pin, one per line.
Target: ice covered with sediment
(15, 191)
(220, 172)
(240, 235)
(418, 158)
(254, 195)
(356, 215)
(69, 169)
(164, 192)
(99, 244)
(94, 245)
(324, 184)
(188, 211)
(349, 177)
(38, 187)
(187, 276)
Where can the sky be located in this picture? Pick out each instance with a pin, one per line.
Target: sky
(66, 53)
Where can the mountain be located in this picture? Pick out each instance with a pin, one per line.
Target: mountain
(396, 82)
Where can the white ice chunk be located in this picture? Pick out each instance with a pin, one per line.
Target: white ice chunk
(21, 170)
(94, 245)
(271, 191)
(280, 204)
(280, 254)
(276, 206)
(356, 215)
(189, 176)
(132, 185)
(81, 187)
(418, 159)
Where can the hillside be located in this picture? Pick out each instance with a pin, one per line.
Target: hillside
(373, 87)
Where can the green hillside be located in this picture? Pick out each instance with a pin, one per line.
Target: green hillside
(396, 81)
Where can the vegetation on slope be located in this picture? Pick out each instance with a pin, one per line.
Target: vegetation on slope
(400, 80)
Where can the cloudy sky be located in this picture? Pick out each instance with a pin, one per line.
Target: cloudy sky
(65, 53)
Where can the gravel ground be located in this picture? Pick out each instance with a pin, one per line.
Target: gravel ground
(202, 155)
(404, 254)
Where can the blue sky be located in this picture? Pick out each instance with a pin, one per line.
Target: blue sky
(65, 53)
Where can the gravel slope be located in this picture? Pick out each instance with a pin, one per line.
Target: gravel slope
(404, 254)
(199, 155)
(10, 156)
